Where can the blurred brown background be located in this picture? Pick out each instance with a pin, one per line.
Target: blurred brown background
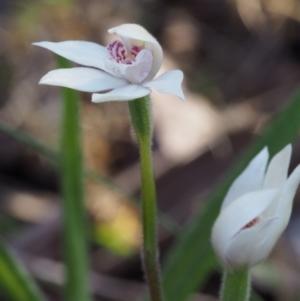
(241, 62)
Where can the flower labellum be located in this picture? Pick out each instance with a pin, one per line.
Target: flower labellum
(256, 210)
(124, 70)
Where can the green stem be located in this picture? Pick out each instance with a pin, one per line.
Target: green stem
(74, 218)
(141, 117)
(236, 285)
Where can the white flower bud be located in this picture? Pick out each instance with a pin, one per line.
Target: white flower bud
(256, 210)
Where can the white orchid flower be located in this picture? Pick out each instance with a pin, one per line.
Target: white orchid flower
(124, 70)
(256, 210)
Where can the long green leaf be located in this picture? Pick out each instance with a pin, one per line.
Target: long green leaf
(27, 139)
(255, 297)
(15, 280)
(53, 155)
(192, 258)
(167, 222)
(74, 217)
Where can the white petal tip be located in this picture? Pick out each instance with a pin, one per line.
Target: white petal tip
(169, 82)
(264, 153)
(98, 98)
(182, 97)
(47, 79)
(288, 148)
(41, 44)
(43, 81)
(94, 98)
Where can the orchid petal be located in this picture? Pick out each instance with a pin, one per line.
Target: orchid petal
(237, 215)
(252, 245)
(129, 92)
(82, 79)
(138, 71)
(276, 174)
(285, 203)
(250, 179)
(133, 34)
(81, 52)
(169, 82)
(268, 240)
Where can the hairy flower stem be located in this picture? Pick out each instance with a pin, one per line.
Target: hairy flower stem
(236, 285)
(141, 116)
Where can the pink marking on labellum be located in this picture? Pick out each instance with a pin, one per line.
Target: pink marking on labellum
(251, 223)
(118, 52)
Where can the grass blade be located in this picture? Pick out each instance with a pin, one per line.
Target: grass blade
(192, 258)
(15, 280)
(167, 222)
(27, 139)
(74, 217)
